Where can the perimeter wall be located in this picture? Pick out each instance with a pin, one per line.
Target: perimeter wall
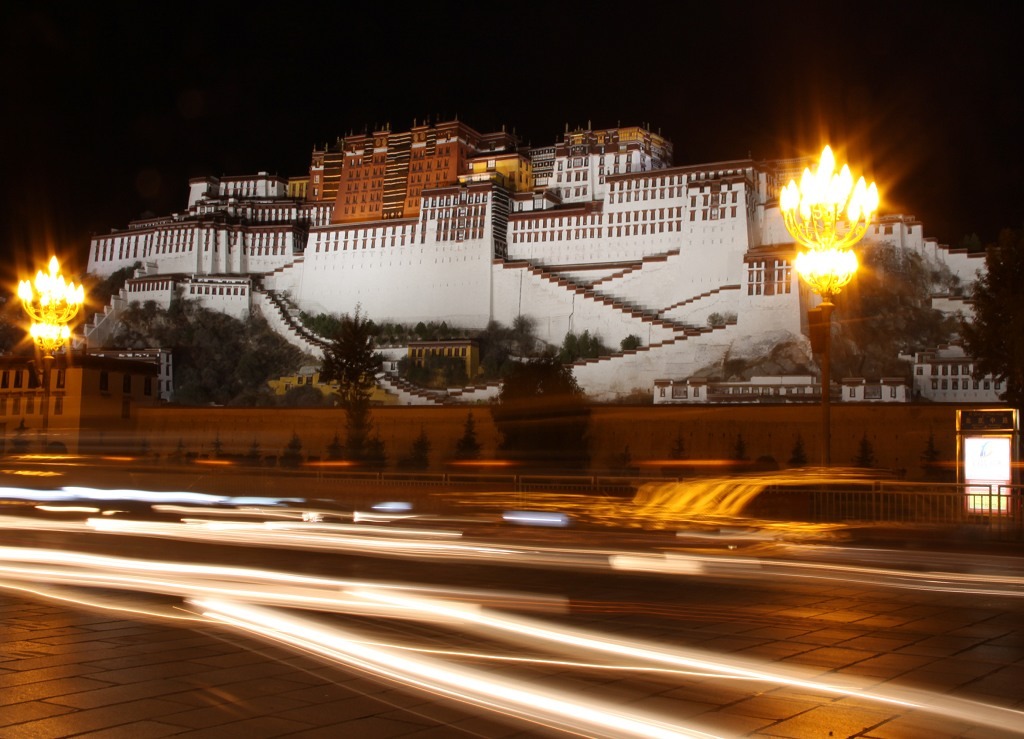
(898, 434)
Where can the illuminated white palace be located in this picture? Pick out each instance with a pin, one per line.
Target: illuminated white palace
(598, 232)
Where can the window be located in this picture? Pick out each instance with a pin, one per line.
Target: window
(104, 382)
(5, 379)
(58, 406)
(17, 378)
(147, 386)
(935, 384)
(61, 378)
(126, 383)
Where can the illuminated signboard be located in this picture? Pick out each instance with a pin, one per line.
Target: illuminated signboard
(986, 457)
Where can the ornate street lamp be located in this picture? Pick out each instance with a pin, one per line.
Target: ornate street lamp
(827, 213)
(51, 303)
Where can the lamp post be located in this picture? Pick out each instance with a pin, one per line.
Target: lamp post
(51, 303)
(827, 213)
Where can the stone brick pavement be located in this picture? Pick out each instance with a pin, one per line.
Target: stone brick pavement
(67, 672)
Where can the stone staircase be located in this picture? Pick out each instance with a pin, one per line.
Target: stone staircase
(619, 304)
(283, 318)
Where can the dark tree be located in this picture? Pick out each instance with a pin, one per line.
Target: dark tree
(630, 342)
(582, 346)
(351, 359)
(303, 396)
(335, 450)
(930, 457)
(995, 337)
(887, 312)
(353, 362)
(798, 457)
(467, 447)
(374, 454)
(419, 454)
(253, 458)
(292, 455)
(542, 415)
(739, 449)
(678, 449)
(218, 359)
(865, 453)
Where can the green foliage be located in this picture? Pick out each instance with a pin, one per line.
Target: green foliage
(995, 338)
(322, 324)
(971, 242)
(101, 291)
(467, 447)
(304, 396)
(524, 335)
(351, 359)
(496, 349)
(582, 346)
(629, 343)
(218, 359)
(436, 371)
(719, 320)
(542, 415)
(886, 311)
(865, 453)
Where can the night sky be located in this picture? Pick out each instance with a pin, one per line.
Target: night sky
(109, 109)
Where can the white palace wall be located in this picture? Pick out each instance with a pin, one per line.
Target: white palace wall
(346, 267)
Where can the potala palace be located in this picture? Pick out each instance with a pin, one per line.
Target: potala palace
(598, 231)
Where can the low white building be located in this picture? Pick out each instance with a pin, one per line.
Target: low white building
(946, 375)
(779, 389)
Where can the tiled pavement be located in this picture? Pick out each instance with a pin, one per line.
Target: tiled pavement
(67, 672)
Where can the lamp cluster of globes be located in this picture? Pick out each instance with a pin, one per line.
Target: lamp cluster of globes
(828, 213)
(51, 303)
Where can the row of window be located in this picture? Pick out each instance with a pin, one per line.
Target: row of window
(216, 290)
(30, 406)
(168, 241)
(948, 369)
(769, 277)
(24, 378)
(966, 384)
(642, 229)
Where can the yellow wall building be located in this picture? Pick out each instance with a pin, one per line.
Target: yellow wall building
(90, 401)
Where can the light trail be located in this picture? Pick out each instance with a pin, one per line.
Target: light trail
(473, 610)
(448, 544)
(511, 697)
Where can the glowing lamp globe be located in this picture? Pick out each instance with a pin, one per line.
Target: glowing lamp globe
(51, 302)
(828, 209)
(826, 271)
